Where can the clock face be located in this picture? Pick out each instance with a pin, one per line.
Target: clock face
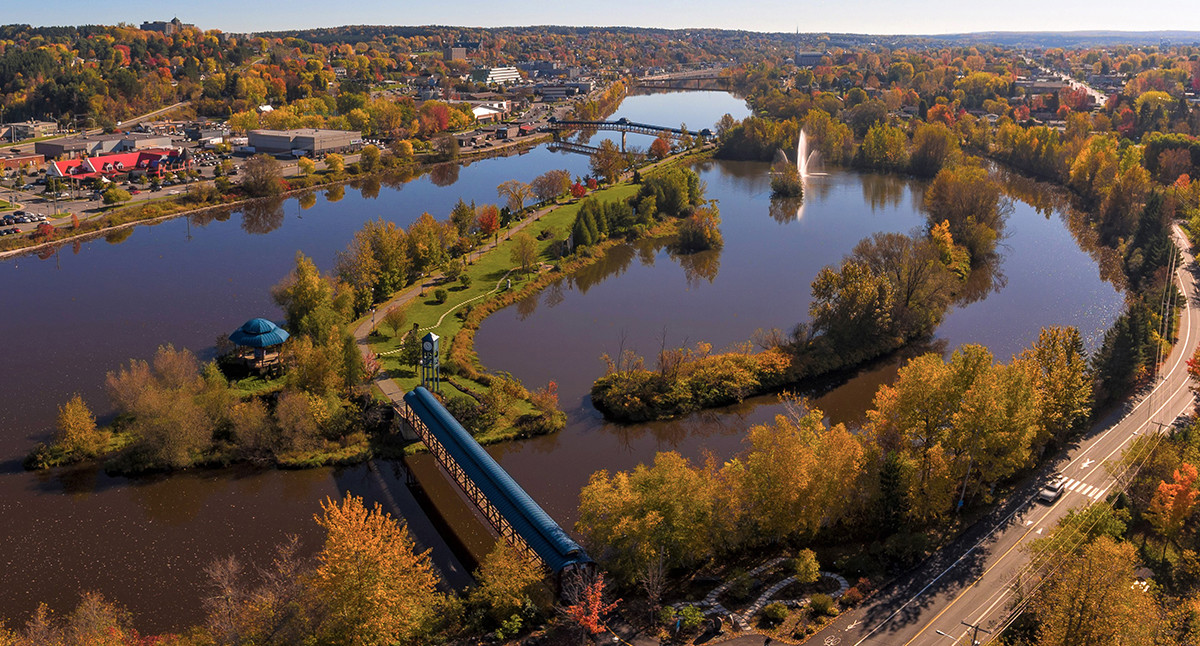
(428, 346)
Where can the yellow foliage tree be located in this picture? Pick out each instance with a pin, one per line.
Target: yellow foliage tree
(380, 591)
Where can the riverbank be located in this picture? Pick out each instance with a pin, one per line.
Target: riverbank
(493, 284)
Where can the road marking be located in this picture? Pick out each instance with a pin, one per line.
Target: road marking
(1039, 531)
(1086, 490)
(1074, 483)
(1185, 347)
(1087, 463)
(853, 625)
(1028, 523)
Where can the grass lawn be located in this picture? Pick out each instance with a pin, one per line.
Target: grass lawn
(489, 274)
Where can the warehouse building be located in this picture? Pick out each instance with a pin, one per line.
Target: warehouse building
(306, 141)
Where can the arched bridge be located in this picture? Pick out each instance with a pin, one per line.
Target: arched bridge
(507, 508)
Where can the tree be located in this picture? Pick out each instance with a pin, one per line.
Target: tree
(551, 184)
(524, 251)
(462, 217)
(395, 318)
(310, 302)
(77, 434)
(516, 193)
(629, 519)
(368, 159)
(971, 202)
(263, 176)
(1091, 599)
(507, 580)
(589, 607)
(607, 162)
(335, 163)
(488, 219)
(116, 195)
(1064, 386)
(1173, 502)
(306, 166)
(378, 589)
(852, 306)
(660, 148)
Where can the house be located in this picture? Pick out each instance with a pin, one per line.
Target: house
(484, 114)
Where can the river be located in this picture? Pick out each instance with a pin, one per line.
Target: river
(71, 317)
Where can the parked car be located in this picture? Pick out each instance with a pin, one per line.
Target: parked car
(1053, 489)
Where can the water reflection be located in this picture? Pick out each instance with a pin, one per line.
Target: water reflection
(335, 193)
(118, 236)
(785, 210)
(444, 174)
(307, 200)
(262, 216)
(699, 267)
(882, 191)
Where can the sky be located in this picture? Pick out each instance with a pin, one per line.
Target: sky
(856, 16)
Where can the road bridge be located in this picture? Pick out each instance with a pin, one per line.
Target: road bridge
(573, 147)
(502, 502)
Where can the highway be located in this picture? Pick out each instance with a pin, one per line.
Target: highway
(971, 580)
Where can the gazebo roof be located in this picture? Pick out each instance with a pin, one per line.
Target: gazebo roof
(259, 333)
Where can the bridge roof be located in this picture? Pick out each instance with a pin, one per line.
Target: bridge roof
(527, 518)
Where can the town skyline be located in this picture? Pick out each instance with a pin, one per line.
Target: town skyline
(858, 16)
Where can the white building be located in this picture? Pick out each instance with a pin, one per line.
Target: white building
(496, 75)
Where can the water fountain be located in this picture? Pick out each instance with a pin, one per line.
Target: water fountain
(806, 159)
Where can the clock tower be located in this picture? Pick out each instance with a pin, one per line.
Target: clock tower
(430, 368)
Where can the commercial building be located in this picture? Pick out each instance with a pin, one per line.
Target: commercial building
(454, 53)
(309, 141)
(100, 145)
(13, 158)
(809, 59)
(169, 27)
(142, 162)
(27, 130)
(496, 75)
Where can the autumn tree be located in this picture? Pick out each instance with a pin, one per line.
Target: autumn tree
(76, 433)
(306, 166)
(488, 219)
(116, 195)
(263, 176)
(607, 162)
(507, 580)
(660, 148)
(1174, 502)
(631, 517)
(335, 163)
(589, 607)
(1091, 599)
(395, 318)
(368, 159)
(524, 251)
(311, 302)
(972, 203)
(378, 589)
(516, 193)
(1064, 387)
(551, 184)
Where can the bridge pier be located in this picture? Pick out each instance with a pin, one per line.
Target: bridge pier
(623, 133)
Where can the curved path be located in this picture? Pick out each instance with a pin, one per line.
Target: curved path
(971, 581)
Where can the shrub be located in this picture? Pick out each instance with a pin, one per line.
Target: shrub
(852, 597)
(775, 612)
(439, 296)
(742, 585)
(666, 617)
(822, 604)
(805, 567)
(690, 617)
(465, 280)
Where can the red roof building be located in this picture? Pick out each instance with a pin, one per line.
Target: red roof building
(153, 162)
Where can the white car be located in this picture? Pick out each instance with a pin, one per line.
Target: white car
(1053, 489)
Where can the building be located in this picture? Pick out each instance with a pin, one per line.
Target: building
(27, 130)
(496, 75)
(306, 141)
(455, 53)
(169, 27)
(13, 158)
(809, 59)
(142, 162)
(484, 114)
(100, 145)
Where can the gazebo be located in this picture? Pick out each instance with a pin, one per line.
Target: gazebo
(259, 334)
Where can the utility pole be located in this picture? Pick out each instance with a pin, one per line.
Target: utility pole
(975, 634)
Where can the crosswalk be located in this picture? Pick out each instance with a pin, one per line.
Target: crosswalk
(1095, 493)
